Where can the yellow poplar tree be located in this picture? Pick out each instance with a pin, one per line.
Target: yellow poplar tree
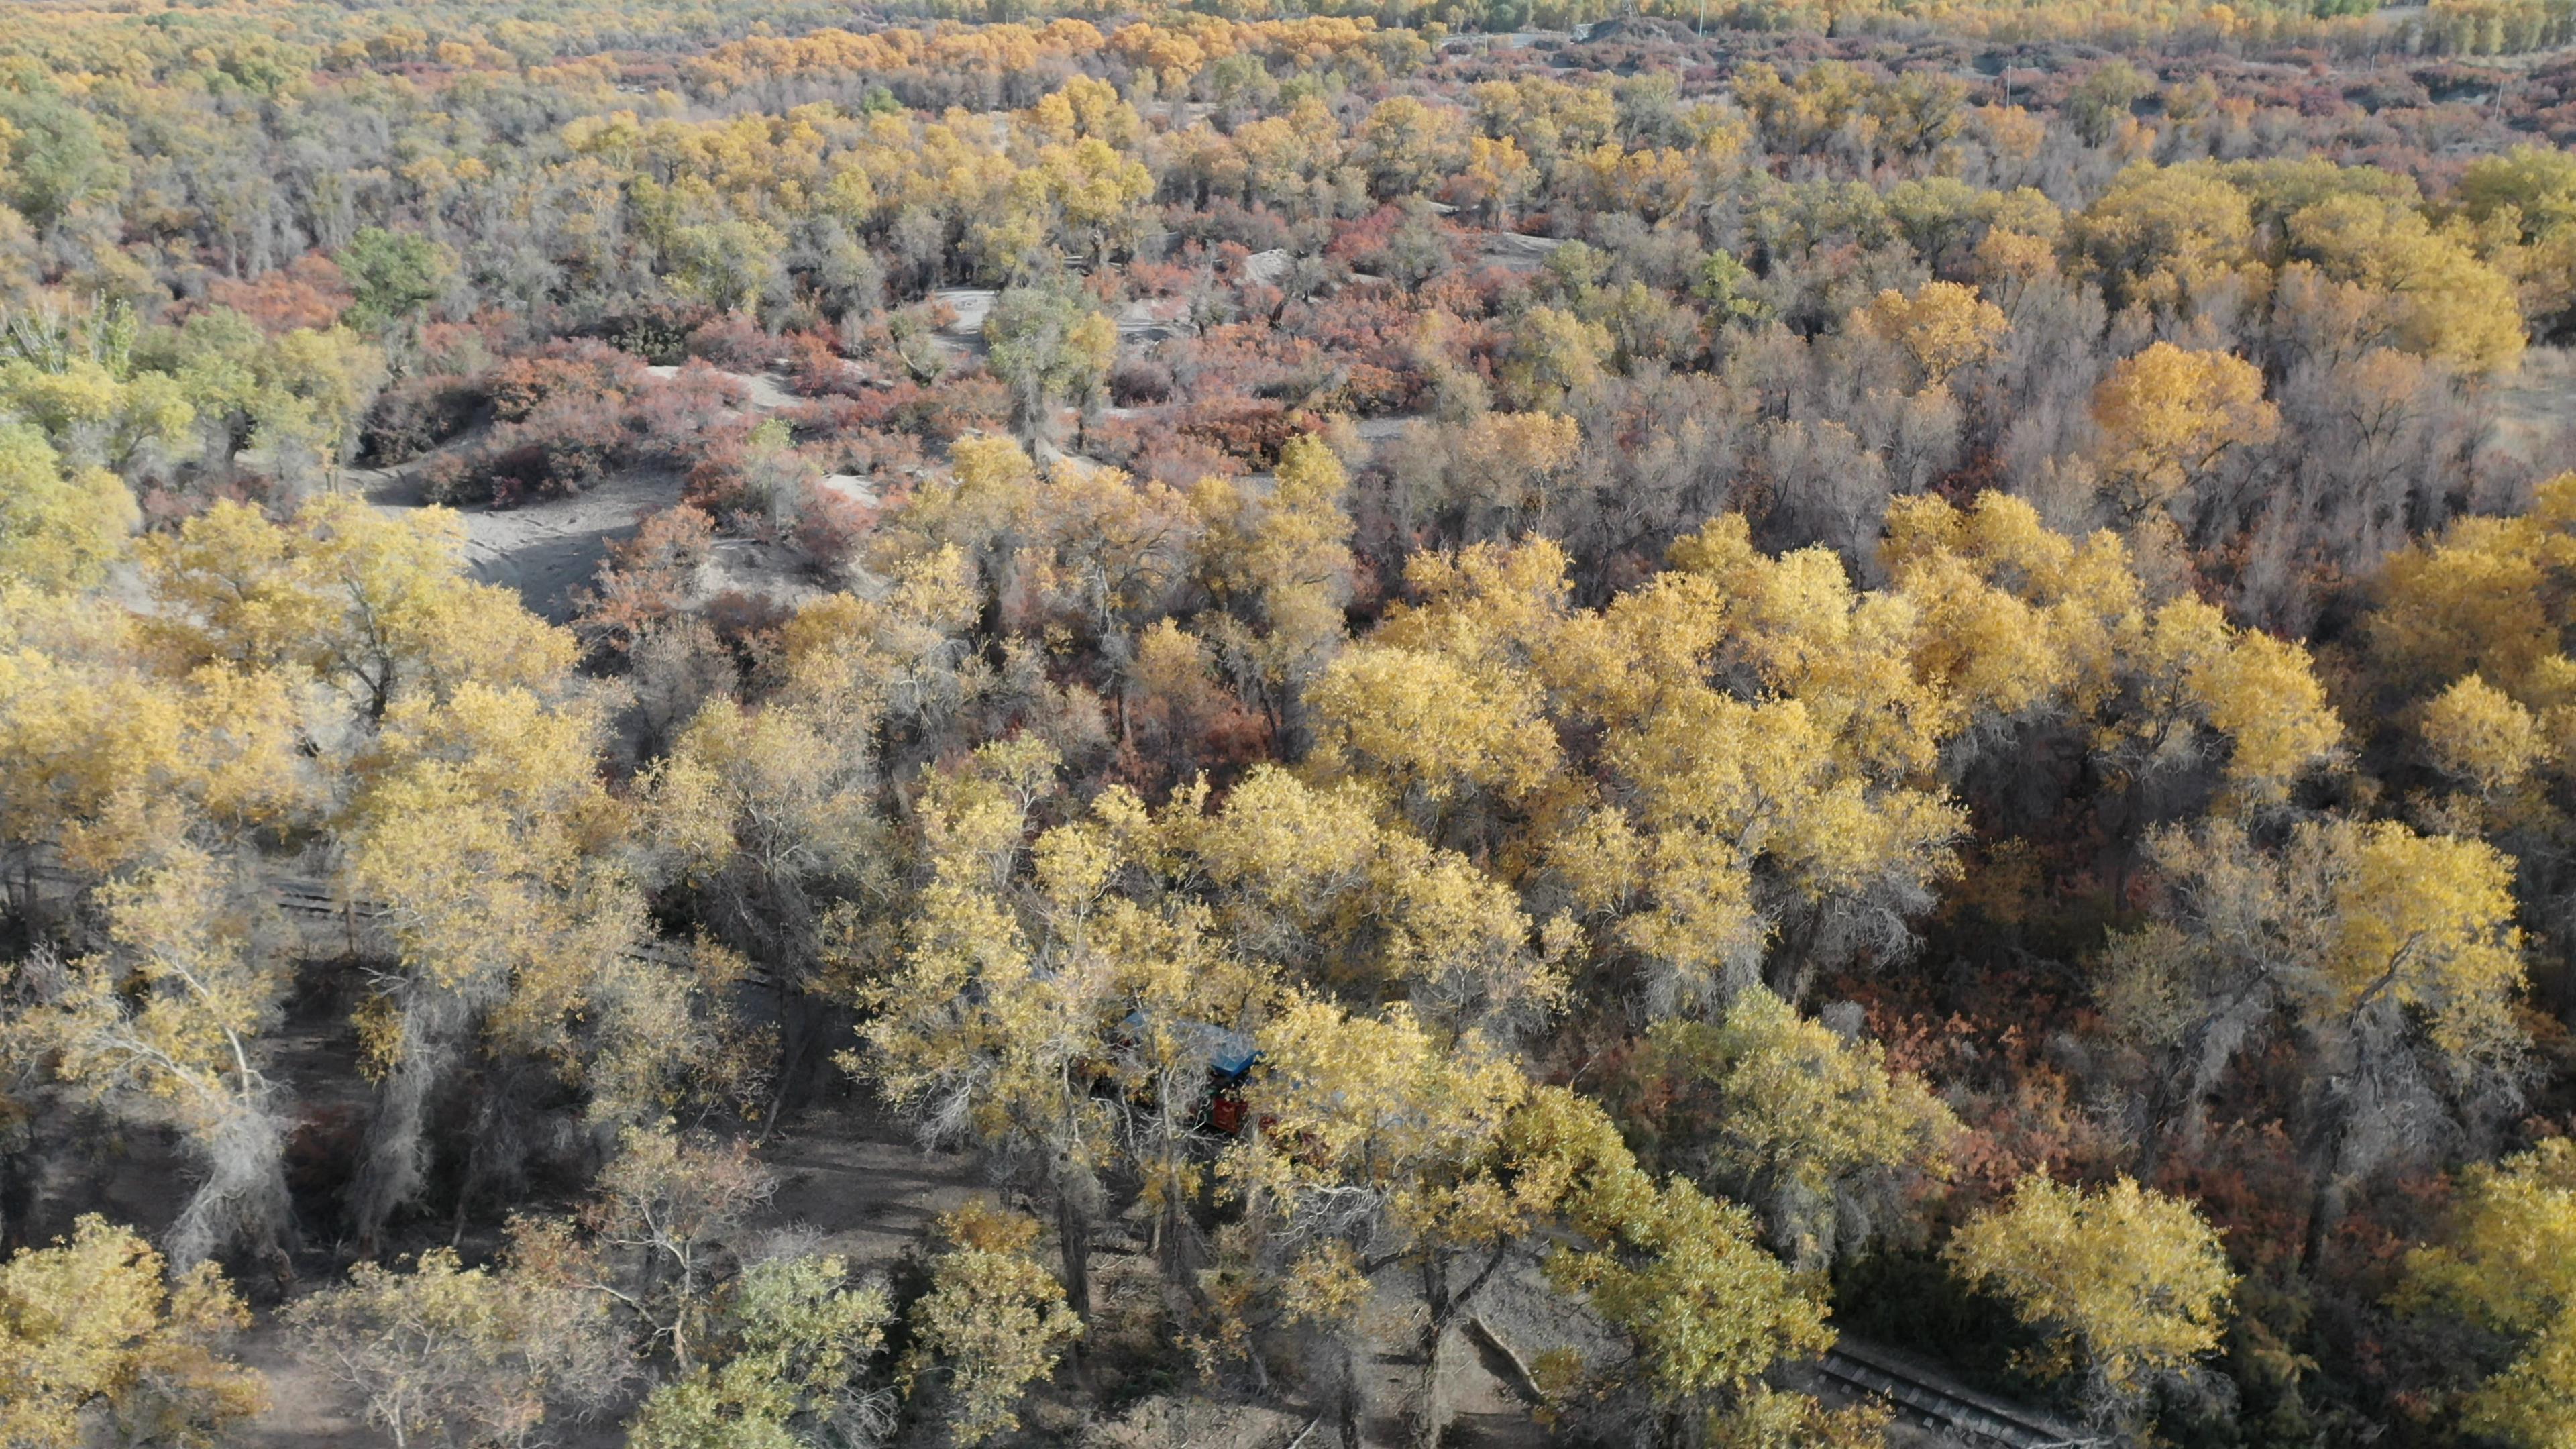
(2509, 1267)
(94, 1320)
(2169, 414)
(2131, 1284)
(166, 1024)
(2392, 955)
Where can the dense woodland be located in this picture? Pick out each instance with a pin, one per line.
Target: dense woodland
(1646, 684)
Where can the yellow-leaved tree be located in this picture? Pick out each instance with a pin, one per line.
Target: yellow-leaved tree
(2390, 956)
(164, 1025)
(1046, 1005)
(473, 1355)
(1279, 569)
(2026, 624)
(374, 604)
(1757, 777)
(2472, 666)
(94, 1322)
(2508, 1267)
(1386, 1153)
(1782, 1112)
(2425, 288)
(135, 792)
(2164, 237)
(479, 824)
(2169, 415)
(113, 757)
(1738, 770)
(60, 526)
(761, 818)
(1943, 326)
(2130, 1285)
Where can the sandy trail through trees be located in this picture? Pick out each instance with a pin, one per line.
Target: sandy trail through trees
(549, 549)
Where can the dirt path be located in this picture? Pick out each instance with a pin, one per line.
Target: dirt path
(849, 1183)
(852, 1183)
(548, 551)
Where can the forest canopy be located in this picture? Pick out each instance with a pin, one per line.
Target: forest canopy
(793, 724)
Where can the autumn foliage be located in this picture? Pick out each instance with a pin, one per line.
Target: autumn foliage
(1532, 690)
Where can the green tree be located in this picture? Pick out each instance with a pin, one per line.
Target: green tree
(731, 262)
(1780, 1111)
(1556, 357)
(2101, 101)
(299, 395)
(786, 1346)
(395, 275)
(57, 158)
(1049, 346)
(60, 528)
(994, 1322)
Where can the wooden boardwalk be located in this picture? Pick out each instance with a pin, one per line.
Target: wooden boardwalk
(1929, 1397)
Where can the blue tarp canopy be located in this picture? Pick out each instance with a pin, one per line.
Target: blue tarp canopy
(1228, 1053)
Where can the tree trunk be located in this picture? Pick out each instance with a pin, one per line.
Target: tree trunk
(795, 1029)
(1346, 1394)
(390, 1161)
(2330, 1167)
(680, 1316)
(1171, 1251)
(17, 1188)
(2326, 1206)
(1440, 1312)
(243, 1199)
(1073, 1231)
(1794, 972)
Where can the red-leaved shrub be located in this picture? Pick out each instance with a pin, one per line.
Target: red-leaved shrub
(733, 341)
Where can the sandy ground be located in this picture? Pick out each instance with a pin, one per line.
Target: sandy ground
(305, 1409)
(852, 1183)
(1514, 252)
(2535, 409)
(971, 304)
(550, 549)
(849, 1183)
